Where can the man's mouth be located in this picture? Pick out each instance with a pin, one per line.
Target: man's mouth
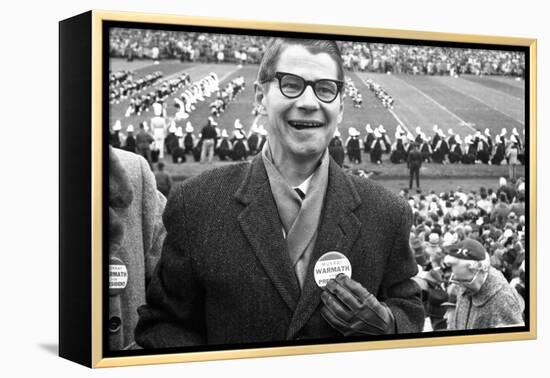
(301, 125)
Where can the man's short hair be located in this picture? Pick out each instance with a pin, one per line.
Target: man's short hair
(276, 46)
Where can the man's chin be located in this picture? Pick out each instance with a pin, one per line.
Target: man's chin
(308, 153)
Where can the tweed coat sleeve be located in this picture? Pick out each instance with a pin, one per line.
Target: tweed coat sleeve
(398, 290)
(173, 315)
(153, 203)
(505, 311)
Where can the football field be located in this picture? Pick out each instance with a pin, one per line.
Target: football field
(465, 105)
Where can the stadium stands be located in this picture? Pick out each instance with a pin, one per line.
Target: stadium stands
(359, 56)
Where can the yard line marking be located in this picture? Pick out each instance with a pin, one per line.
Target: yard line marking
(364, 79)
(229, 74)
(462, 122)
(496, 90)
(399, 120)
(484, 103)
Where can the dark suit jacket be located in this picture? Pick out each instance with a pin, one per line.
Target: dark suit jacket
(225, 274)
(414, 160)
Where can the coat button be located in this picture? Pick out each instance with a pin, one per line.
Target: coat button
(114, 324)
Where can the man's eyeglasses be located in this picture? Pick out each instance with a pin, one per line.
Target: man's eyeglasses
(292, 86)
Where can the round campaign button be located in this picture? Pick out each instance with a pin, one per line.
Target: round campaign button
(118, 276)
(329, 266)
(114, 324)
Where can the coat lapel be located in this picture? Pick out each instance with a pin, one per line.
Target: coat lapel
(338, 231)
(260, 223)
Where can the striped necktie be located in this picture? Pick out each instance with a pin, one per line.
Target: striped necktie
(300, 193)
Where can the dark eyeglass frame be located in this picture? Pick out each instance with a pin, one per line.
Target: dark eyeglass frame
(279, 76)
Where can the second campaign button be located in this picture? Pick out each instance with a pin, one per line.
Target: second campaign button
(118, 276)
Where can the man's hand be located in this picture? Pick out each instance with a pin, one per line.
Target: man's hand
(352, 310)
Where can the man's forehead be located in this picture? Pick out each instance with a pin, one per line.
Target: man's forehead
(298, 60)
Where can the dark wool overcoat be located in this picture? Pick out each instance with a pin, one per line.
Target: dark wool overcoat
(225, 274)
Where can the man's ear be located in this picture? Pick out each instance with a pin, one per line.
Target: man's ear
(341, 110)
(260, 98)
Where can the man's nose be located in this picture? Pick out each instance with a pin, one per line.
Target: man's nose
(308, 100)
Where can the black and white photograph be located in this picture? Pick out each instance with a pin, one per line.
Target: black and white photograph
(278, 190)
(275, 189)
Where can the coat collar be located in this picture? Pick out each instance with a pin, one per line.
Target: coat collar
(261, 225)
(338, 230)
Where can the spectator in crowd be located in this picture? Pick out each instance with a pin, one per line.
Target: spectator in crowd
(433, 249)
(484, 203)
(208, 140)
(189, 140)
(143, 141)
(134, 246)
(254, 140)
(377, 147)
(353, 146)
(500, 212)
(164, 180)
(485, 298)
(512, 156)
(114, 137)
(518, 207)
(171, 142)
(336, 148)
(239, 147)
(130, 142)
(158, 125)
(197, 149)
(178, 153)
(420, 254)
(433, 295)
(369, 138)
(508, 188)
(223, 146)
(414, 163)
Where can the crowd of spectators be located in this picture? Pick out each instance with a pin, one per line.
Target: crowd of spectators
(493, 217)
(431, 60)
(358, 56)
(186, 46)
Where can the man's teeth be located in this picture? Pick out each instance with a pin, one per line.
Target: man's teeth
(304, 124)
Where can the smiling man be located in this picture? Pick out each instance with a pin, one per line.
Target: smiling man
(242, 241)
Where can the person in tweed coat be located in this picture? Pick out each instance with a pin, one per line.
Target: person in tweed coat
(485, 299)
(226, 275)
(136, 234)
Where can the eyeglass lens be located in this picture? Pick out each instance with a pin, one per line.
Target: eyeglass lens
(293, 86)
